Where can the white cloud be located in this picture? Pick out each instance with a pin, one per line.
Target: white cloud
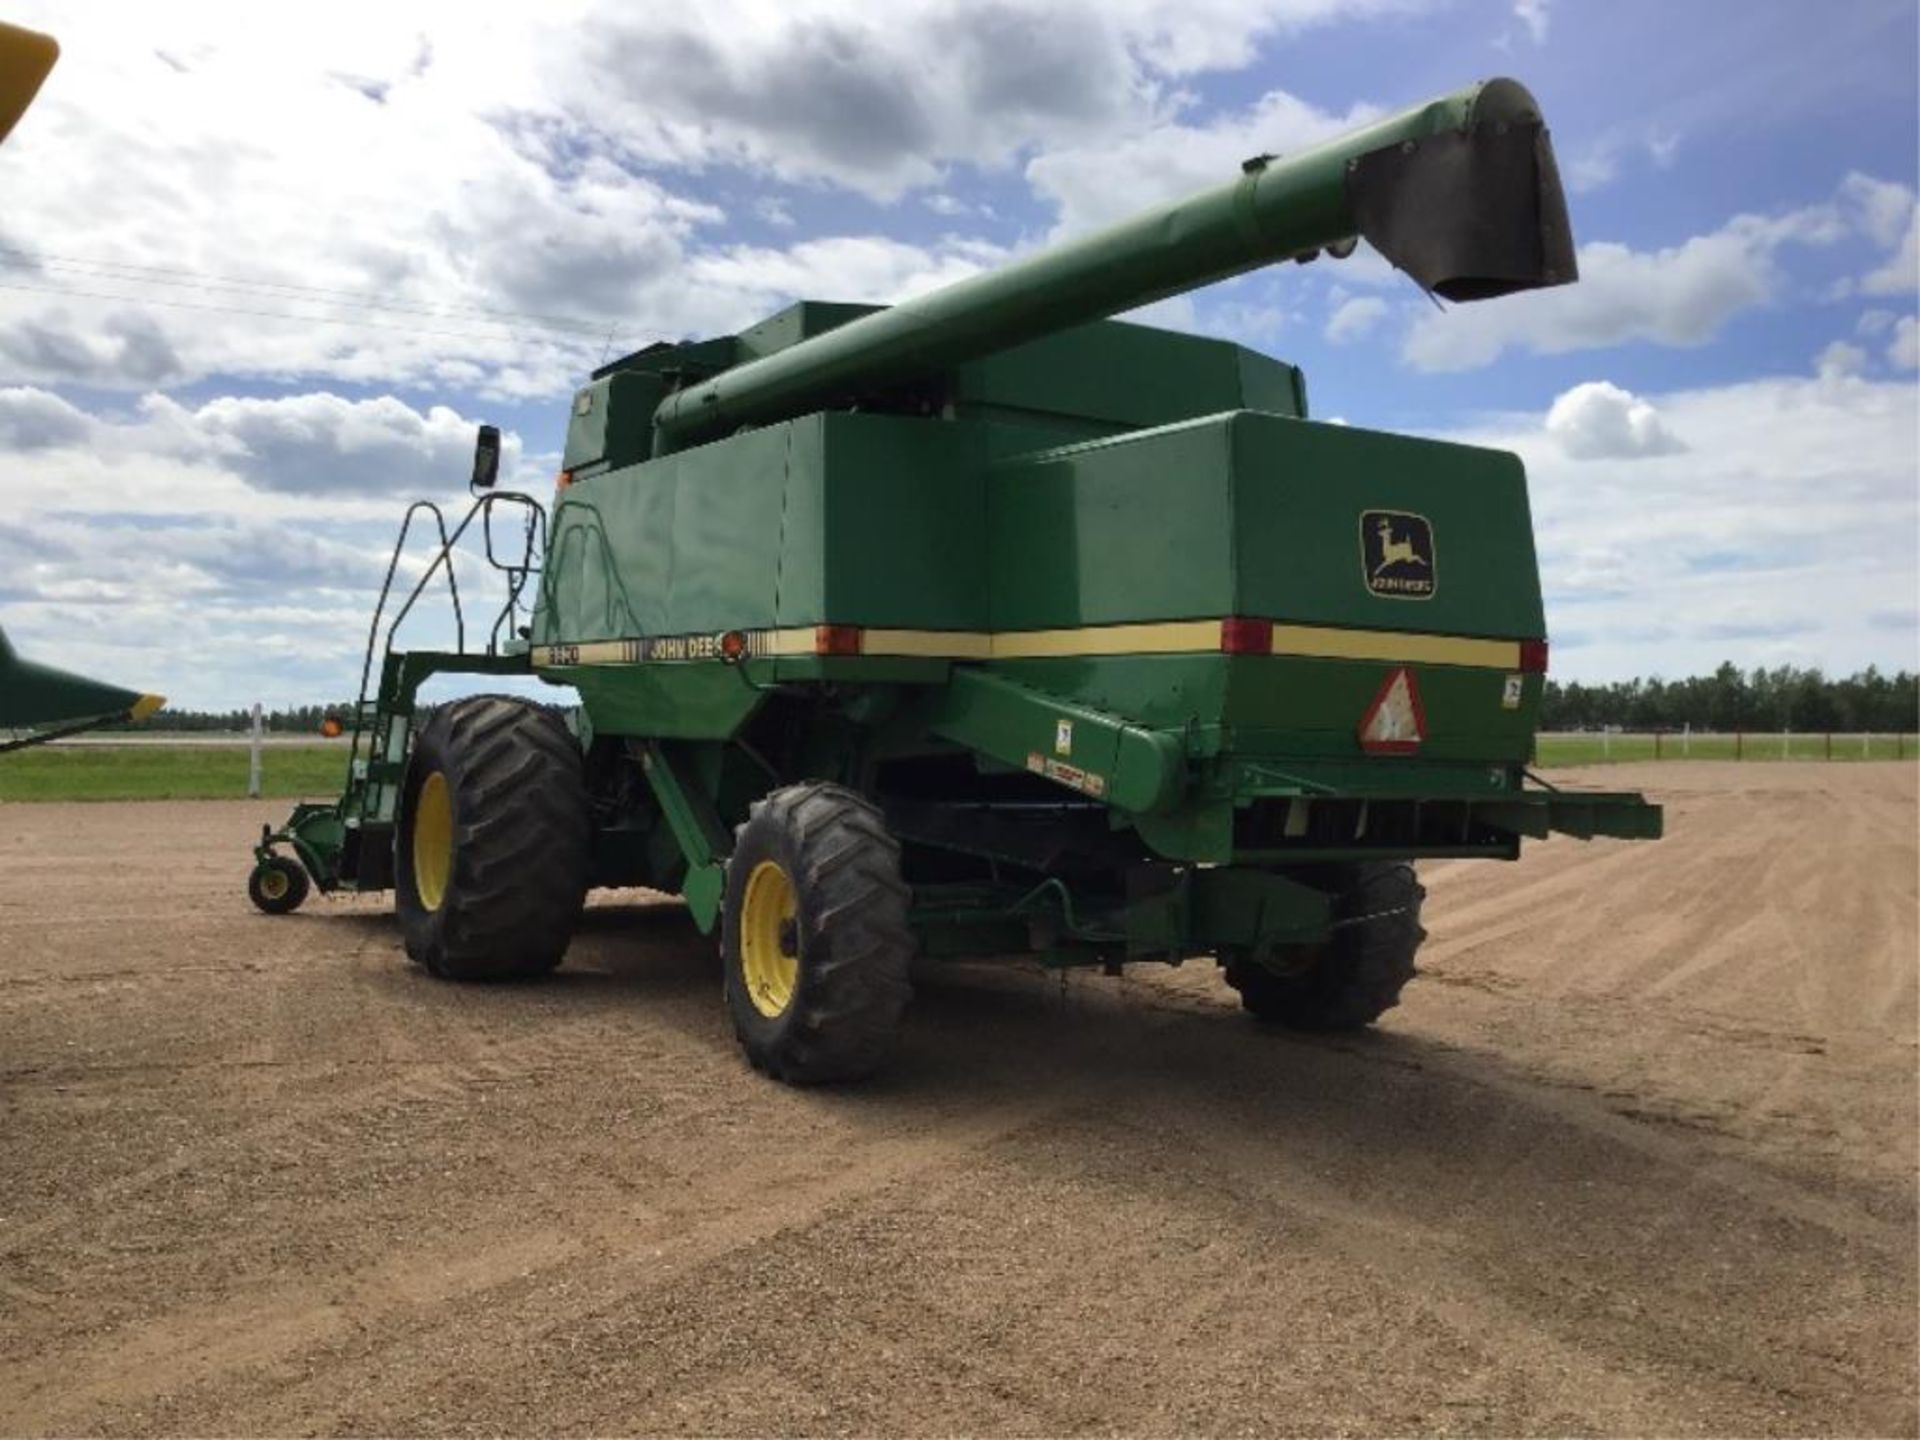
(33, 419)
(323, 444)
(1097, 183)
(326, 232)
(1599, 164)
(1840, 359)
(941, 203)
(774, 211)
(1903, 350)
(1680, 295)
(1900, 274)
(298, 460)
(1779, 535)
(1532, 14)
(231, 550)
(1600, 421)
(1887, 213)
(1355, 318)
(882, 100)
(1883, 209)
(414, 198)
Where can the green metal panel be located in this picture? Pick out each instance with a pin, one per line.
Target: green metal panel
(612, 422)
(679, 700)
(1122, 376)
(686, 544)
(1085, 749)
(725, 542)
(1314, 707)
(1156, 691)
(1299, 494)
(1269, 386)
(800, 321)
(1084, 535)
(884, 524)
(1264, 516)
(1284, 705)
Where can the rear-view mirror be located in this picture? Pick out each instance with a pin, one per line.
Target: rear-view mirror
(486, 458)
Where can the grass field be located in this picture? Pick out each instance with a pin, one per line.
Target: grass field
(219, 772)
(169, 772)
(1584, 749)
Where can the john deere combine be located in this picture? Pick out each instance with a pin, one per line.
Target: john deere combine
(985, 625)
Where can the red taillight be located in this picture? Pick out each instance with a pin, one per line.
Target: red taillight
(563, 480)
(836, 639)
(733, 647)
(1246, 635)
(1533, 657)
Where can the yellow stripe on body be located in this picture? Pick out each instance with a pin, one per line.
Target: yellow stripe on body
(1391, 646)
(932, 644)
(1178, 637)
(1165, 639)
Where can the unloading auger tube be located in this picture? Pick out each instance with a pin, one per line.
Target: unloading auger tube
(1462, 193)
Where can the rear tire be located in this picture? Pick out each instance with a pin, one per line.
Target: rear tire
(491, 853)
(814, 936)
(1357, 975)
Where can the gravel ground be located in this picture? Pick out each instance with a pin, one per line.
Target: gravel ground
(1637, 1155)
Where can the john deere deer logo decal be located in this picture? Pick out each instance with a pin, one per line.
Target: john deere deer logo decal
(1396, 554)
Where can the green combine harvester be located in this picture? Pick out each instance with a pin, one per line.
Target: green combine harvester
(985, 625)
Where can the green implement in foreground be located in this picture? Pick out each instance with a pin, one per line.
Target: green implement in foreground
(986, 625)
(39, 703)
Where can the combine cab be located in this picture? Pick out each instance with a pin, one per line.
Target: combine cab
(986, 625)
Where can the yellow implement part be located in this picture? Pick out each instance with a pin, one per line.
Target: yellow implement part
(25, 58)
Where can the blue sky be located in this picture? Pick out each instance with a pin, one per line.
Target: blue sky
(262, 272)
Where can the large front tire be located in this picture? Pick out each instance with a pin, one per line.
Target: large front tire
(814, 935)
(1356, 976)
(491, 854)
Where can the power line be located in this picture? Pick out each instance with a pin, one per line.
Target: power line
(274, 314)
(201, 280)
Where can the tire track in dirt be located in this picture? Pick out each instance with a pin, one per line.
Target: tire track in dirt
(1636, 1156)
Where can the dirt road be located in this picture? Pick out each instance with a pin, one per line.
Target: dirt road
(1636, 1155)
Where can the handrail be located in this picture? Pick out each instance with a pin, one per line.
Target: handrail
(533, 536)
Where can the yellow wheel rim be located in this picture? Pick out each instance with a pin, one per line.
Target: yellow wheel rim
(432, 840)
(769, 939)
(274, 883)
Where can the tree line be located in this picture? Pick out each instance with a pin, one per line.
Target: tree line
(1784, 698)
(294, 720)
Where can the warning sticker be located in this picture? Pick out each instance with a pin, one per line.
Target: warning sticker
(1085, 781)
(1515, 688)
(1395, 723)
